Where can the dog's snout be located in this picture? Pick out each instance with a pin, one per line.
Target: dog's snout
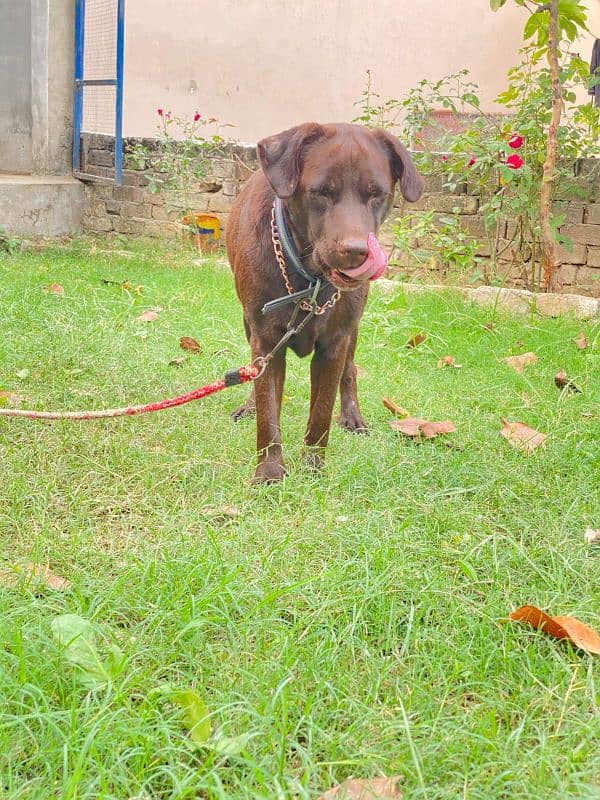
(353, 251)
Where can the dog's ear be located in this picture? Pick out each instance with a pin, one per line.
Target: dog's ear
(280, 156)
(403, 168)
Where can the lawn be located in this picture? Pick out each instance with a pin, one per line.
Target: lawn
(345, 624)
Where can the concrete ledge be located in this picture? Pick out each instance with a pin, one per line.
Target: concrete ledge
(40, 205)
(516, 300)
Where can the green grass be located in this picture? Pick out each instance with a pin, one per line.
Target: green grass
(350, 622)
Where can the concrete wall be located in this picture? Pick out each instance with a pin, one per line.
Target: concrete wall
(15, 86)
(36, 86)
(264, 66)
(52, 45)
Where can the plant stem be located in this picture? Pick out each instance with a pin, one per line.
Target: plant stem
(550, 260)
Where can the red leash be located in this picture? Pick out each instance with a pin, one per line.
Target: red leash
(232, 378)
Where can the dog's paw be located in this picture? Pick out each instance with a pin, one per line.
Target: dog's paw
(354, 423)
(244, 411)
(269, 472)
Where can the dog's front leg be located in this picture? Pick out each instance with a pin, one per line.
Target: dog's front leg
(350, 417)
(325, 373)
(268, 390)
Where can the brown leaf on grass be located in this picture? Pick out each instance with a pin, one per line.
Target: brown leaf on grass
(581, 341)
(490, 326)
(522, 436)
(366, 789)
(448, 361)
(360, 372)
(150, 315)
(518, 363)
(414, 426)
(129, 287)
(591, 535)
(417, 339)
(568, 628)
(177, 362)
(187, 343)
(36, 574)
(53, 288)
(399, 411)
(562, 382)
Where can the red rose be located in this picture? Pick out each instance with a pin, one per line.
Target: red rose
(515, 141)
(196, 117)
(471, 162)
(159, 111)
(514, 162)
(444, 158)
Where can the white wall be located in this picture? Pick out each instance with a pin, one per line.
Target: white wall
(264, 65)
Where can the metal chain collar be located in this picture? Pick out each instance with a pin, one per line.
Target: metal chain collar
(305, 305)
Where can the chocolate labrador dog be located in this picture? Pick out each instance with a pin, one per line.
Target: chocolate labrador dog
(335, 185)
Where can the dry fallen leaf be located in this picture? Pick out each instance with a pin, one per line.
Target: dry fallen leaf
(177, 362)
(414, 426)
(448, 361)
(360, 372)
(366, 789)
(53, 288)
(37, 574)
(128, 287)
(150, 315)
(416, 340)
(490, 326)
(592, 535)
(518, 363)
(522, 436)
(562, 382)
(581, 341)
(399, 411)
(187, 343)
(560, 627)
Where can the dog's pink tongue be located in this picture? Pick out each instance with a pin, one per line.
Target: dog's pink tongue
(373, 266)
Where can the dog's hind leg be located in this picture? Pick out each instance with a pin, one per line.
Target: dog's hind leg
(247, 409)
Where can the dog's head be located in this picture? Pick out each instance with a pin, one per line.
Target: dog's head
(338, 185)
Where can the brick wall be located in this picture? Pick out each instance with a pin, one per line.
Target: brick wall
(134, 209)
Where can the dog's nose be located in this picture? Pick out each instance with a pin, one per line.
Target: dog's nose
(354, 251)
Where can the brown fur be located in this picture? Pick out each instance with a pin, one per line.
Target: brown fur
(337, 183)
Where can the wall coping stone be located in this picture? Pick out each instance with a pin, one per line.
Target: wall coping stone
(521, 301)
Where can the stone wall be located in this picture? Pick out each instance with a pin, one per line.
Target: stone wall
(134, 209)
(580, 269)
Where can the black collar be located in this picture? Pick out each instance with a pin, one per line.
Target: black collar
(292, 258)
(287, 243)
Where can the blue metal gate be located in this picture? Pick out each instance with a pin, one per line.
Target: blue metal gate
(99, 51)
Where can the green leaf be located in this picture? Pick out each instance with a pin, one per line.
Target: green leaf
(532, 25)
(196, 716)
(469, 97)
(230, 745)
(495, 5)
(77, 638)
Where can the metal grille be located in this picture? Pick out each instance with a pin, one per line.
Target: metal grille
(99, 63)
(99, 53)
